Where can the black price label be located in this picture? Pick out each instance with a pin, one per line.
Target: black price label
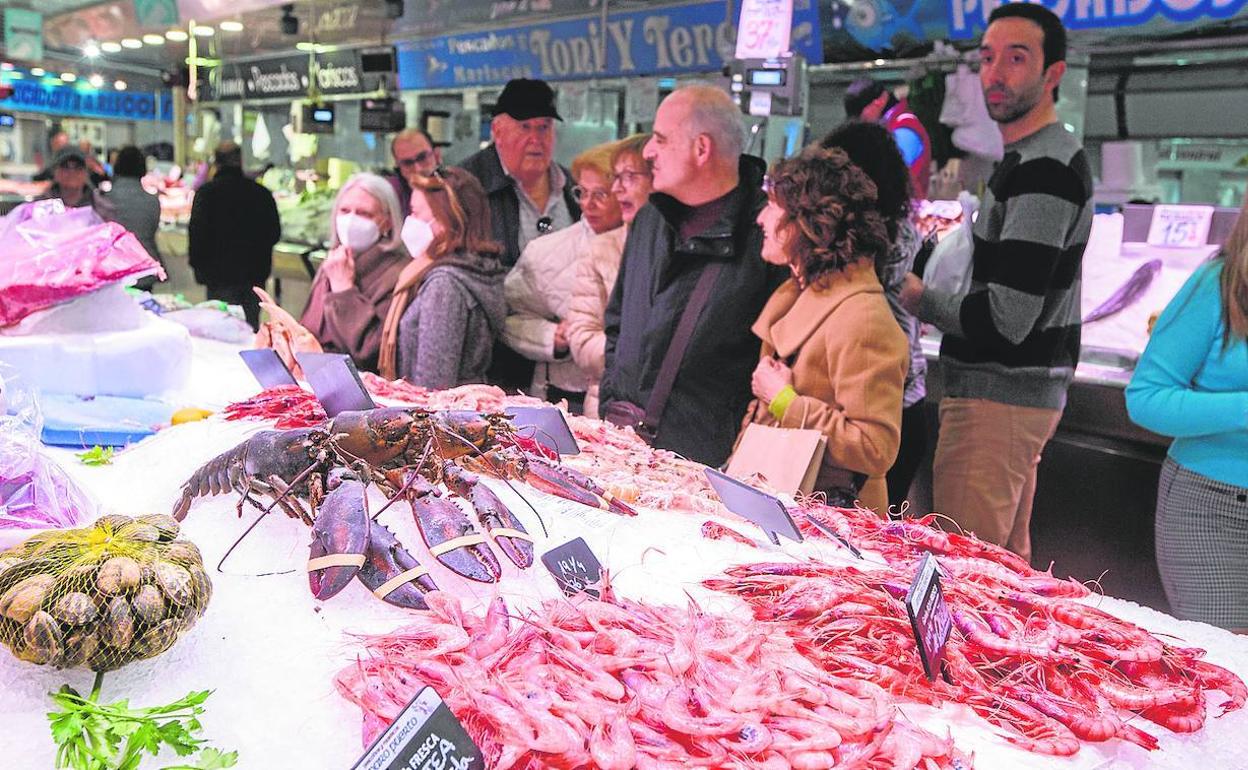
(547, 426)
(335, 382)
(759, 507)
(575, 567)
(929, 615)
(426, 736)
(267, 367)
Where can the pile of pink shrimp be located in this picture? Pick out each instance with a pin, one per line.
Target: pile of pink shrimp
(616, 684)
(1050, 671)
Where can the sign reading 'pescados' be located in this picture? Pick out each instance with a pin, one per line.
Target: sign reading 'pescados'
(30, 96)
(336, 73)
(677, 39)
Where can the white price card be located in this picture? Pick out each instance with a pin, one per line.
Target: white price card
(1183, 227)
(763, 29)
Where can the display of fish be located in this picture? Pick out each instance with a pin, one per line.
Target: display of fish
(1128, 293)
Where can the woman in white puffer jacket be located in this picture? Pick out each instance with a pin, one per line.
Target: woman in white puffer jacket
(539, 288)
(631, 182)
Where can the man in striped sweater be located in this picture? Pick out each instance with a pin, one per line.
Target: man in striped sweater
(1012, 341)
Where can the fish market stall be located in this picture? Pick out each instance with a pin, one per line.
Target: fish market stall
(695, 593)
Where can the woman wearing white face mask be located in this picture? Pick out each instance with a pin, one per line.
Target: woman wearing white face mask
(448, 302)
(352, 290)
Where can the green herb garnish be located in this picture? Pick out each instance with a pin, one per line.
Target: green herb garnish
(96, 455)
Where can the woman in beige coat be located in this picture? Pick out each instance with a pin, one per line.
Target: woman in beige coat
(597, 270)
(833, 358)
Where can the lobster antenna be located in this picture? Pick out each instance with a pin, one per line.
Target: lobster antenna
(406, 484)
(265, 512)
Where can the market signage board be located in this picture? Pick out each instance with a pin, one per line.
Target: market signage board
(35, 96)
(425, 736)
(929, 615)
(574, 567)
(547, 426)
(698, 37)
(336, 382)
(23, 34)
(759, 507)
(1183, 227)
(968, 18)
(337, 72)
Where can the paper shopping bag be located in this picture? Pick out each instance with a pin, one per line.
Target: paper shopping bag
(787, 458)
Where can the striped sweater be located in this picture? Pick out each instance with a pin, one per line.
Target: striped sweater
(1014, 336)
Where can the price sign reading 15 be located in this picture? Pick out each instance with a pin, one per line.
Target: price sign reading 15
(1184, 227)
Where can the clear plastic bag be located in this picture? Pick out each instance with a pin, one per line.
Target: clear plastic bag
(949, 267)
(35, 493)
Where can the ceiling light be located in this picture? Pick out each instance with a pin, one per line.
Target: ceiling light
(38, 71)
(91, 50)
(6, 66)
(177, 35)
(202, 31)
(68, 77)
(231, 26)
(110, 47)
(131, 43)
(152, 39)
(120, 85)
(96, 80)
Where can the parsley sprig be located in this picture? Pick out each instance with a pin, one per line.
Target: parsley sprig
(96, 455)
(94, 736)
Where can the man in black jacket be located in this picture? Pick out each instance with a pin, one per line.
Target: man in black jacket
(232, 232)
(707, 197)
(530, 194)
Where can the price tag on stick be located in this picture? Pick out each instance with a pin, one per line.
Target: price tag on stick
(759, 507)
(267, 367)
(575, 567)
(335, 382)
(929, 615)
(547, 426)
(425, 736)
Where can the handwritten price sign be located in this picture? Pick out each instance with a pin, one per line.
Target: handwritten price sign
(764, 28)
(1183, 227)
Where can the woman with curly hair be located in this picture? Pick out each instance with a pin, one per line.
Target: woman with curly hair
(833, 358)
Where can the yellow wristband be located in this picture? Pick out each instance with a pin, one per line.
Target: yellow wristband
(780, 404)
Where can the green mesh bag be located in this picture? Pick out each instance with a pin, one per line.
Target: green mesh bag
(102, 596)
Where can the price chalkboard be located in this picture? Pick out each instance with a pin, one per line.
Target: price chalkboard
(574, 567)
(759, 507)
(267, 367)
(335, 382)
(548, 427)
(929, 615)
(426, 736)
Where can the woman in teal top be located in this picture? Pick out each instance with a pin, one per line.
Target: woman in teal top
(1192, 384)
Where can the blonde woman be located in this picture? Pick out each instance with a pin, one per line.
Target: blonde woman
(631, 184)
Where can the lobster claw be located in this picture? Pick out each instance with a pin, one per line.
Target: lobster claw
(564, 482)
(452, 539)
(500, 523)
(339, 536)
(393, 574)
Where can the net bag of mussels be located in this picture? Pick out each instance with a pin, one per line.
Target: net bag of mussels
(102, 596)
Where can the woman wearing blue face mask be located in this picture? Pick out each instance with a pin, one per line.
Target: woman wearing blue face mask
(352, 290)
(448, 305)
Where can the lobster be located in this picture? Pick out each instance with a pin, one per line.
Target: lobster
(320, 475)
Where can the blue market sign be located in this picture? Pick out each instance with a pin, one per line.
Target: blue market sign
(33, 96)
(659, 41)
(967, 18)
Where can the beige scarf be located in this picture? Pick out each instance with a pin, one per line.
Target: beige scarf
(405, 288)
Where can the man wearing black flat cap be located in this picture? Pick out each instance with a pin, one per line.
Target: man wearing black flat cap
(530, 194)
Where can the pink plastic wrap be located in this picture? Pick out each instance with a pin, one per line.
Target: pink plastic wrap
(52, 256)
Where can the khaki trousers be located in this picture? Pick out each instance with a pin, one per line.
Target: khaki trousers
(984, 474)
